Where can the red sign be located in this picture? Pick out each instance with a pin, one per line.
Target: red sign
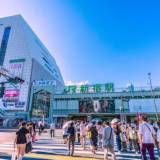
(11, 93)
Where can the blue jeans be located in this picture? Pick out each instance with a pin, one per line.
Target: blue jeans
(118, 141)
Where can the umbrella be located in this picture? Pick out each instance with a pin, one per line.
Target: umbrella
(97, 120)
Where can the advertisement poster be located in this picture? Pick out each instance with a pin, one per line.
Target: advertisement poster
(96, 106)
(11, 98)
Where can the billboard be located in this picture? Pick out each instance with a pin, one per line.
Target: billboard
(12, 94)
(96, 106)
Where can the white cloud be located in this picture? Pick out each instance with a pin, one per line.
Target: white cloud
(71, 83)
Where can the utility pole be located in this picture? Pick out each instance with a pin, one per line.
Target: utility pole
(153, 95)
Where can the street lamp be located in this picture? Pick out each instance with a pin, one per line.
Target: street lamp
(152, 93)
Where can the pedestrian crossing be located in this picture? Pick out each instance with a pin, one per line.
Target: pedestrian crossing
(54, 148)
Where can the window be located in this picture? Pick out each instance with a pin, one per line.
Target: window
(4, 44)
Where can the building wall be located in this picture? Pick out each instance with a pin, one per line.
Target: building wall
(24, 44)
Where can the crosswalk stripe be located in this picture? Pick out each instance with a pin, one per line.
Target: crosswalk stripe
(53, 148)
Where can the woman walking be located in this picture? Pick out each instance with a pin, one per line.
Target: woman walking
(22, 137)
(83, 134)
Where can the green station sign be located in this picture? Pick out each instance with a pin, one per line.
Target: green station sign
(96, 88)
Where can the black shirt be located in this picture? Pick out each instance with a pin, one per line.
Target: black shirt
(94, 132)
(71, 131)
(21, 135)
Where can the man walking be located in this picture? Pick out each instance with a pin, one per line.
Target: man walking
(71, 138)
(147, 139)
(108, 141)
(52, 130)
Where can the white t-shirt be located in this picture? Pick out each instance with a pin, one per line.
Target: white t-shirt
(158, 135)
(52, 126)
(146, 130)
(65, 129)
(100, 129)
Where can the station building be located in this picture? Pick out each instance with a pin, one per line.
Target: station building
(102, 101)
(24, 55)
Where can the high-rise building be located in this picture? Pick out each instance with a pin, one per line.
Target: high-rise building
(23, 54)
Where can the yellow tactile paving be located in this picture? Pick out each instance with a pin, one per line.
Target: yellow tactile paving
(57, 157)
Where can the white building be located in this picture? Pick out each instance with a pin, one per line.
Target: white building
(24, 55)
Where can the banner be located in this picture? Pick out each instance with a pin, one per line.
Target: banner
(96, 106)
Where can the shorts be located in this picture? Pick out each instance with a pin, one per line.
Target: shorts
(65, 136)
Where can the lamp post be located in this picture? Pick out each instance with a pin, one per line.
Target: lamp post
(152, 93)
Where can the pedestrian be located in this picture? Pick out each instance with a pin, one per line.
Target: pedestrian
(22, 137)
(93, 136)
(52, 130)
(30, 129)
(108, 141)
(71, 138)
(158, 138)
(133, 138)
(147, 137)
(123, 137)
(78, 131)
(83, 134)
(117, 132)
(100, 133)
(65, 134)
(34, 132)
(41, 127)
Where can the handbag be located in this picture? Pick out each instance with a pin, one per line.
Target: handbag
(28, 147)
(108, 143)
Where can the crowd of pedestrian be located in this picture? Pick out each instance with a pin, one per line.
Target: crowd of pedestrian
(139, 136)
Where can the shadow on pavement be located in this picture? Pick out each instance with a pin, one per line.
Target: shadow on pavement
(5, 156)
(44, 153)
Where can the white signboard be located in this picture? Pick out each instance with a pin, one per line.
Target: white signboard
(44, 83)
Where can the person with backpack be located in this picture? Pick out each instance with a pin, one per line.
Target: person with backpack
(71, 138)
(147, 137)
(108, 141)
(133, 138)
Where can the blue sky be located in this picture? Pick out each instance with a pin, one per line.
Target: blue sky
(97, 40)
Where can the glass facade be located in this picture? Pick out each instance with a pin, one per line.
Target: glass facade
(41, 104)
(4, 44)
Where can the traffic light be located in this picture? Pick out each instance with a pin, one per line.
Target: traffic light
(18, 80)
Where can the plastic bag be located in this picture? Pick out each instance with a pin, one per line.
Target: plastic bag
(14, 156)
